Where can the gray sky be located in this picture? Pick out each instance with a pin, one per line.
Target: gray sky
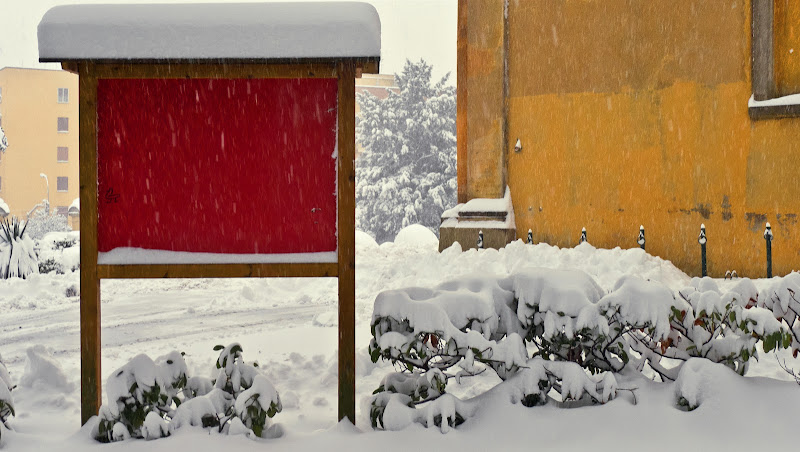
(411, 29)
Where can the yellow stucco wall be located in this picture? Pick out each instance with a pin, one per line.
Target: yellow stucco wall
(635, 112)
(30, 112)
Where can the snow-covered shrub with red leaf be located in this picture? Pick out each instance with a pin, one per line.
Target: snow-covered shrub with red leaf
(783, 300)
(723, 327)
(551, 333)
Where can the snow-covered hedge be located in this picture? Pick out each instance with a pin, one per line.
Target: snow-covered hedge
(6, 401)
(546, 329)
(150, 399)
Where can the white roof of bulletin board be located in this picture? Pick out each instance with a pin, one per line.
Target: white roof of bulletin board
(210, 31)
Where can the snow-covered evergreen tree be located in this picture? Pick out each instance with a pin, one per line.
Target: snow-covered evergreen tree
(40, 223)
(406, 173)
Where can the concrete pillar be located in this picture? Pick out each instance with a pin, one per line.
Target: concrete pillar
(482, 100)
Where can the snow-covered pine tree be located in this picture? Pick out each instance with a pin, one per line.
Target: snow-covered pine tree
(406, 173)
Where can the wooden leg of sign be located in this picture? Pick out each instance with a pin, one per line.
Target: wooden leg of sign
(90, 284)
(347, 237)
(90, 347)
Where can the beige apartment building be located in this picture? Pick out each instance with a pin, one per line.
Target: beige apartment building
(39, 114)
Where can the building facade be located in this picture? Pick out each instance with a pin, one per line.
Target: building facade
(613, 114)
(39, 114)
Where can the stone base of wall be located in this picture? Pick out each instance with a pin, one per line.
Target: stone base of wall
(468, 237)
(465, 222)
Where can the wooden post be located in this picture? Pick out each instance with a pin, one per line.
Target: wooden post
(346, 236)
(90, 284)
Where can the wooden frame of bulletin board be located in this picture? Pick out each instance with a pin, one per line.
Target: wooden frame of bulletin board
(344, 71)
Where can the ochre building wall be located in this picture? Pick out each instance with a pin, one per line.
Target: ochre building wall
(636, 112)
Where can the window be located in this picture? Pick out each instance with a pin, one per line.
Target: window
(63, 95)
(63, 124)
(62, 210)
(776, 58)
(62, 154)
(62, 183)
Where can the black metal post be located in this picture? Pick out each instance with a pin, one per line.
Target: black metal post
(641, 240)
(530, 237)
(480, 240)
(768, 239)
(702, 241)
(583, 236)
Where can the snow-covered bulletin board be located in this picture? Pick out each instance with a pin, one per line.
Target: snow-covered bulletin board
(216, 140)
(250, 164)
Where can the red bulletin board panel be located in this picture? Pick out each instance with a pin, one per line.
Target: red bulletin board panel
(235, 166)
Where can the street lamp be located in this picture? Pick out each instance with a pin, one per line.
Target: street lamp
(47, 182)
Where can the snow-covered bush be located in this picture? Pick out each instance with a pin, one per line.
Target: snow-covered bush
(566, 315)
(59, 252)
(394, 405)
(138, 389)
(6, 401)
(17, 255)
(152, 399)
(576, 334)
(478, 323)
(406, 173)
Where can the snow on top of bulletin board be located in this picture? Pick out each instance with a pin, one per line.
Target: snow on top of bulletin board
(210, 31)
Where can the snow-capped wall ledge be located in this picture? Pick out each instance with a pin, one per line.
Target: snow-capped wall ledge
(493, 217)
(138, 256)
(779, 107)
(260, 31)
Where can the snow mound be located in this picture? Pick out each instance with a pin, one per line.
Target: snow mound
(545, 289)
(365, 241)
(43, 370)
(418, 236)
(701, 380)
(643, 302)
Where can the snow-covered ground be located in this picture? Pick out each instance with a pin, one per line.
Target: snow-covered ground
(289, 327)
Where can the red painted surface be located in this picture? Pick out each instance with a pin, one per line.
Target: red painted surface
(219, 166)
